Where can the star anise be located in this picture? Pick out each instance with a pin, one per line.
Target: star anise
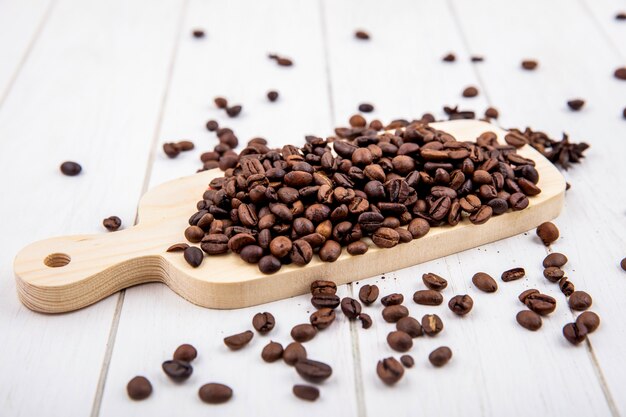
(454, 113)
(560, 152)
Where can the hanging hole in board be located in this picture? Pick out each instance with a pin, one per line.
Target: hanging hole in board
(57, 260)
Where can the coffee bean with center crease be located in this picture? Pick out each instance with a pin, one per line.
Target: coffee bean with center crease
(293, 353)
(434, 281)
(461, 304)
(214, 393)
(303, 332)
(513, 274)
(579, 301)
(589, 319)
(139, 388)
(306, 392)
(323, 287)
(407, 361)
(113, 223)
(366, 320)
(410, 326)
(394, 313)
(215, 243)
(484, 282)
(70, 168)
(440, 356)
(325, 301)
(238, 341)
(263, 322)
(301, 252)
(385, 237)
(575, 333)
(555, 259)
(547, 232)
(432, 324)
(392, 299)
(185, 352)
(541, 304)
(368, 294)
(322, 318)
(193, 256)
(272, 352)
(399, 341)
(481, 216)
(529, 320)
(351, 308)
(524, 295)
(389, 370)
(566, 286)
(428, 297)
(176, 370)
(313, 371)
(553, 273)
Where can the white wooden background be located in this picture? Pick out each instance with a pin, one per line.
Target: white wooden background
(105, 83)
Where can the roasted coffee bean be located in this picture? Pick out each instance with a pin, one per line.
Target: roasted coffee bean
(622, 264)
(193, 256)
(553, 273)
(269, 264)
(470, 92)
(529, 64)
(113, 223)
(330, 251)
(418, 228)
(432, 324)
(139, 388)
(280, 246)
(576, 104)
(301, 252)
(370, 221)
(357, 121)
(194, 234)
(263, 322)
(313, 371)
(394, 313)
(178, 371)
(366, 108)
(529, 320)
(357, 248)
(484, 282)
(434, 281)
(522, 297)
(171, 149)
(427, 297)
(306, 392)
(407, 361)
(215, 393)
(303, 332)
(251, 254)
(555, 259)
(323, 287)
(389, 370)
(70, 168)
(399, 341)
(541, 304)
(215, 243)
(233, 111)
(272, 95)
(579, 301)
(477, 58)
(238, 242)
(392, 299)
(272, 352)
(518, 201)
(185, 145)
(385, 237)
(325, 301)
(461, 304)
(322, 318)
(492, 113)
(450, 57)
(198, 33)
(513, 274)
(177, 247)
(185, 352)
(366, 320)
(361, 34)
(588, 319)
(481, 215)
(238, 341)
(351, 308)
(220, 102)
(368, 294)
(440, 356)
(293, 353)
(566, 286)
(410, 326)
(574, 333)
(212, 125)
(548, 233)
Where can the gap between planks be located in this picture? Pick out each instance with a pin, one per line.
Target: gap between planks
(600, 28)
(97, 402)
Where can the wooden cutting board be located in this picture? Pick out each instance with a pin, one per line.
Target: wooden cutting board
(67, 273)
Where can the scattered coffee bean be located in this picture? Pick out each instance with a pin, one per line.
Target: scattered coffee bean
(407, 361)
(555, 259)
(238, 341)
(428, 297)
(234, 111)
(139, 388)
(177, 247)
(198, 33)
(362, 35)
(220, 102)
(351, 308)
(620, 73)
(394, 313)
(434, 281)
(513, 274)
(548, 233)
(410, 326)
(529, 320)
(272, 352)
(70, 168)
(622, 264)
(492, 113)
(484, 282)
(325, 301)
(477, 58)
(178, 371)
(529, 64)
(272, 96)
(574, 333)
(313, 371)
(450, 57)
(282, 61)
(306, 392)
(214, 393)
(366, 320)
(620, 16)
(185, 145)
(212, 125)
(588, 319)
(263, 322)
(368, 294)
(553, 273)
(461, 304)
(399, 341)
(193, 256)
(389, 370)
(366, 108)
(185, 352)
(172, 150)
(522, 297)
(293, 353)
(470, 92)
(112, 223)
(385, 237)
(566, 286)
(392, 299)
(440, 356)
(303, 332)
(323, 287)
(432, 324)
(357, 121)
(576, 104)
(579, 301)
(322, 318)
(541, 304)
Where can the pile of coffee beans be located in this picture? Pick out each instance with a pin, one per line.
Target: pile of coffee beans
(283, 206)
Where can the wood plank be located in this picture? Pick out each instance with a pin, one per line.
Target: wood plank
(77, 98)
(494, 358)
(603, 14)
(231, 61)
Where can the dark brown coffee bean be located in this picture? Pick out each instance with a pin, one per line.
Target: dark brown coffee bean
(620, 16)
(622, 264)
(185, 145)
(492, 113)
(357, 248)
(171, 149)
(220, 102)
(177, 247)
(418, 228)
(394, 313)
(529, 320)
(293, 353)
(233, 111)
(351, 308)
(470, 92)
(407, 361)
(576, 104)
(251, 253)
(70, 168)
(555, 259)
(620, 73)
(529, 64)
(481, 215)
(322, 318)
(198, 33)
(541, 304)
(323, 287)
(566, 286)
(385, 237)
(366, 320)
(366, 108)
(392, 299)
(440, 356)
(272, 95)
(515, 139)
(280, 246)
(484, 282)
(579, 301)
(313, 371)
(193, 256)
(139, 388)
(215, 243)
(449, 58)
(461, 304)
(588, 319)
(574, 333)
(477, 58)
(325, 301)
(306, 392)
(269, 264)
(113, 223)
(263, 322)
(553, 273)
(214, 393)
(524, 295)
(185, 352)
(194, 234)
(240, 241)
(427, 297)
(399, 341)
(389, 370)
(272, 352)
(301, 252)
(362, 35)
(513, 274)
(368, 294)
(238, 341)
(303, 332)
(410, 326)
(432, 324)
(330, 251)
(212, 125)
(434, 281)
(178, 371)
